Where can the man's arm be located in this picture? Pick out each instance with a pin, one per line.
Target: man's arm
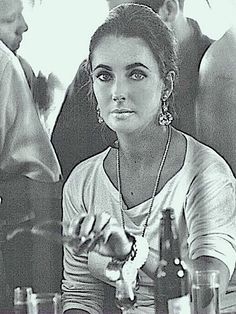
(216, 102)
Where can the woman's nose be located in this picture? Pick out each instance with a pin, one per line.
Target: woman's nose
(119, 92)
(118, 98)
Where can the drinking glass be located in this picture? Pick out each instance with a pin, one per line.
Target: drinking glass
(22, 300)
(46, 303)
(205, 292)
(125, 297)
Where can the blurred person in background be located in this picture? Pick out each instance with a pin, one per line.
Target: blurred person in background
(77, 135)
(30, 187)
(41, 87)
(216, 102)
(192, 45)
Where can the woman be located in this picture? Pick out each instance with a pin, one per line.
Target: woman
(152, 166)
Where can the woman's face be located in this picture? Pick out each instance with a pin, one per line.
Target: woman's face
(125, 68)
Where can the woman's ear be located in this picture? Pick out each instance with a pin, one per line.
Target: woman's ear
(169, 11)
(169, 84)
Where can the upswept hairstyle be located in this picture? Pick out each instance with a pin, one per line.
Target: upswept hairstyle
(138, 21)
(155, 5)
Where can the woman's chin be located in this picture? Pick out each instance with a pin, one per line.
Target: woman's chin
(121, 128)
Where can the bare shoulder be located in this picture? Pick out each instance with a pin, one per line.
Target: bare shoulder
(220, 58)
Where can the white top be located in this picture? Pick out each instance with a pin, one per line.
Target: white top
(25, 148)
(202, 194)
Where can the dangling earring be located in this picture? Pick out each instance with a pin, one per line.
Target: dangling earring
(99, 117)
(165, 118)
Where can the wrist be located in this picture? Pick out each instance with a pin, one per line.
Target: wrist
(134, 260)
(127, 249)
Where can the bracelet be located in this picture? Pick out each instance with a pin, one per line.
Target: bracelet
(128, 268)
(113, 269)
(136, 261)
(141, 250)
(132, 252)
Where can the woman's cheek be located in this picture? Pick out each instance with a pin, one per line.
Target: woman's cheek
(101, 92)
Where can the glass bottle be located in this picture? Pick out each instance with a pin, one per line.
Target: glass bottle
(171, 282)
(22, 300)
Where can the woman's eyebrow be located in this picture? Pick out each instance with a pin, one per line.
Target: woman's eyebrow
(103, 66)
(136, 64)
(128, 67)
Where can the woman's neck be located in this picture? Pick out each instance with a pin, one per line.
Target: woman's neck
(143, 148)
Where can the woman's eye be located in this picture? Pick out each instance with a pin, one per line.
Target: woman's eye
(137, 75)
(104, 76)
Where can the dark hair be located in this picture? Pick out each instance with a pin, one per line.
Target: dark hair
(133, 20)
(155, 5)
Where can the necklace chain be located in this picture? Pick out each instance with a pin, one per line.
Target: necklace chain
(155, 186)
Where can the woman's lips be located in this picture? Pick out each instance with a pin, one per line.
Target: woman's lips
(122, 113)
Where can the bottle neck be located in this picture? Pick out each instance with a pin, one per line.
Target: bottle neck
(169, 242)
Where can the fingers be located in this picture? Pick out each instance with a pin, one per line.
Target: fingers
(74, 227)
(100, 222)
(99, 233)
(86, 231)
(96, 235)
(87, 226)
(112, 228)
(93, 224)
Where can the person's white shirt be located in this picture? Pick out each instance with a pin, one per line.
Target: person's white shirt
(202, 194)
(25, 148)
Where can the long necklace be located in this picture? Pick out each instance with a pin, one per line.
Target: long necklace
(155, 186)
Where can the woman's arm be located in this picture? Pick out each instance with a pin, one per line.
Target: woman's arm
(81, 291)
(210, 214)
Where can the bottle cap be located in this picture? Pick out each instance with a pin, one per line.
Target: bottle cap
(22, 295)
(168, 212)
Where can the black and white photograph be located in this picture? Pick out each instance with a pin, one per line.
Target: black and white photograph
(117, 157)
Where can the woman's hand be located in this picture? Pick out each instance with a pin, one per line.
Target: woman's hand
(99, 233)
